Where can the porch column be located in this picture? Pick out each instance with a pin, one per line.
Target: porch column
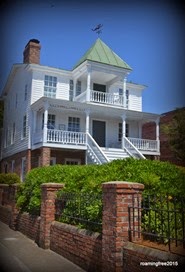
(88, 84)
(45, 122)
(87, 112)
(157, 133)
(124, 91)
(123, 130)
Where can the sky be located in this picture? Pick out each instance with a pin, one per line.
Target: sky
(148, 35)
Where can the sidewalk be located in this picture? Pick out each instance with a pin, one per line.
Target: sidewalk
(20, 254)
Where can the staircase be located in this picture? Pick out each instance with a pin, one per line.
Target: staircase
(115, 153)
(100, 155)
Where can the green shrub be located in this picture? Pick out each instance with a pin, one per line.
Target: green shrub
(158, 177)
(9, 178)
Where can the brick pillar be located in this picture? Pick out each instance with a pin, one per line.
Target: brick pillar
(117, 196)
(28, 160)
(48, 196)
(45, 156)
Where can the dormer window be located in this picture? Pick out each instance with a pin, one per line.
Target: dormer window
(50, 86)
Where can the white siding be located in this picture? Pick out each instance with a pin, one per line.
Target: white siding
(38, 85)
(135, 100)
(15, 108)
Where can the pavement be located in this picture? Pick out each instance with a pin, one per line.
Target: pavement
(20, 254)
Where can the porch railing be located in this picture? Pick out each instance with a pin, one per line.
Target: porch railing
(66, 137)
(132, 149)
(102, 98)
(144, 144)
(95, 152)
(106, 98)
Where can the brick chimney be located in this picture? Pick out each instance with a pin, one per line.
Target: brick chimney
(31, 52)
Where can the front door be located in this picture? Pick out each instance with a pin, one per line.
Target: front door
(99, 132)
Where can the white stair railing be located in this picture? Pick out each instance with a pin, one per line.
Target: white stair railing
(132, 150)
(95, 150)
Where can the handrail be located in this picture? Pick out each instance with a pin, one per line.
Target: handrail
(90, 138)
(135, 148)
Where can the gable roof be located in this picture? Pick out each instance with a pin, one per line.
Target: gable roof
(100, 52)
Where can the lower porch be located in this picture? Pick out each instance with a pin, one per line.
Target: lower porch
(96, 153)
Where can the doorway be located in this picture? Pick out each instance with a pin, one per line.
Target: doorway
(99, 133)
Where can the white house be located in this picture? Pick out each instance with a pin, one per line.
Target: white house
(90, 114)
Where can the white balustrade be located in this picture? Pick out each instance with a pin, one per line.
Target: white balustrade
(107, 98)
(144, 144)
(66, 137)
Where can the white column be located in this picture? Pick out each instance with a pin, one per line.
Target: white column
(157, 134)
(123, 131)
(88, 84)
(45, 121)
(124, 91)
(87, 112)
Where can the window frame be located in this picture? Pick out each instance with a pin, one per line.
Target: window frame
(50, 86)
(73, 124)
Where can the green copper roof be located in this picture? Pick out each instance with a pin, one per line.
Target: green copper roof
(101, 53)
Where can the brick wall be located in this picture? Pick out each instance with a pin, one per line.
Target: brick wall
(149, 132)
(82, 247)
(134, 254)
(29, 225)
(111, 252)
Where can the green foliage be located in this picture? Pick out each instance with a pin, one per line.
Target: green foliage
(81, 209)
(161, 177)
(9, 178)
(163, 217)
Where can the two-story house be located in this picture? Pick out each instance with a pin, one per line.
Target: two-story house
(90, 114)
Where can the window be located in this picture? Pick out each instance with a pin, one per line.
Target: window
(120, 131)
(127, 98)
(13, 166)
(78, 87)
(23, 168)
(25, 92)
(71, 88)
(24, 127)
(51, 121)
(52, 161)
(74, 124)
(72, 161)
(8, 136)
(120, 91)
(50, 86)
(13, 134)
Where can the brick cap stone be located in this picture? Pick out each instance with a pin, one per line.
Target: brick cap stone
(123, 185)
(52, 185)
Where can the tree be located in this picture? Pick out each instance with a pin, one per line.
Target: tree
(175, 132)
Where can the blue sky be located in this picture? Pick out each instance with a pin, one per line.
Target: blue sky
(148, 35)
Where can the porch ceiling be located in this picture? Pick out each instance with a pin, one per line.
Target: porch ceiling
(95, 110)
(100, 77)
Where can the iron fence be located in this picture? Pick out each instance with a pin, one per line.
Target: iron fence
(80, 209)
(158, 219)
